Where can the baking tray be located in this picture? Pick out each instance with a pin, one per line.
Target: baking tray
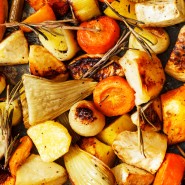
(14, 73)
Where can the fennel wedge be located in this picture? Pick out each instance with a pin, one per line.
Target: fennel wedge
(44, 100)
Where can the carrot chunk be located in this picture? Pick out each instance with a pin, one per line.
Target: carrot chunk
(171, 171)
(113, 96)
(100, 41)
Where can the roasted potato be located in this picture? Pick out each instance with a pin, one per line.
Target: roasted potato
(173, 107)
(130, 175)
(100, 150)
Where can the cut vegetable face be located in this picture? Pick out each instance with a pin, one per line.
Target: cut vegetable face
(85, 119)
(100, 41)
(144, 74)
(113, 96)
(51, 139)
(155, 145)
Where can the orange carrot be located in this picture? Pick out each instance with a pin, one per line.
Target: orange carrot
(20, 154)
(171, 171)
(106, 36)
(43, 14)
(113, 96)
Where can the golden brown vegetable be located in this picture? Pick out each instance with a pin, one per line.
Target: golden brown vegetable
(173, 114)
(20, 154)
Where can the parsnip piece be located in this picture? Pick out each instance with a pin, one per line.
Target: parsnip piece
(158, 37)
(110, 132)
(161, 13)
(100, 150)
(144, 74)
(173, 107)
(51, 139)
(42, 63)
(85, 9)
(155, 145)
(130, 175)
(175, 66)
(14, 49)
(36, 172)
(61, 43)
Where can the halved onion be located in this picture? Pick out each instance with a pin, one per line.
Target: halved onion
(84, 168)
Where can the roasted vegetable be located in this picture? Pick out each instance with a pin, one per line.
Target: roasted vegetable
(113, 96)
(145, 74)
(51, 139)
(85, 119)
(84, 168)
(171, 171)
(2, 83)
(16, 10)
(14, 49)
(125, 8)
(80, 65)
(100, 150)
(155, 145)
(131, 175)
(60, 42)
(35, 172)
(42, 63)
(173, 114)
(160, 13)
(20, 154)
(175, 66)
(85, 9)
(157, 38)
(64, 95)
(150, 116)
(110, 132)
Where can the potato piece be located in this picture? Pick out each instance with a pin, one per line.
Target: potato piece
(173, 107)
(158, 37)
(100, 150)
(36, 172)
(160, 14)
(109, 133)
(51, 139)
(144, 74)
(155, 144)
(20, 154)
(130, 175)
(175, 66)
(125, 8)
(14, 49)
(151, 118)
(42, 63)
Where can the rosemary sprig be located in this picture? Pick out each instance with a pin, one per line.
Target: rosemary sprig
(129, 23)
(181, 150)
(113, 51)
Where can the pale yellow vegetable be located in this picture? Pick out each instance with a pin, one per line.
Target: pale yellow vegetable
(109, 133)
(127, 149)
(85, 119)
(42, 63)
(145, 74)
(36, 172)
(51, 139)
(125, 8)
(158, 39)
(85, 9)
(100, 150)
(161, 13)
(83, 168)
(61, 42)
(173, 114)
(130, 175)
(14, 49)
